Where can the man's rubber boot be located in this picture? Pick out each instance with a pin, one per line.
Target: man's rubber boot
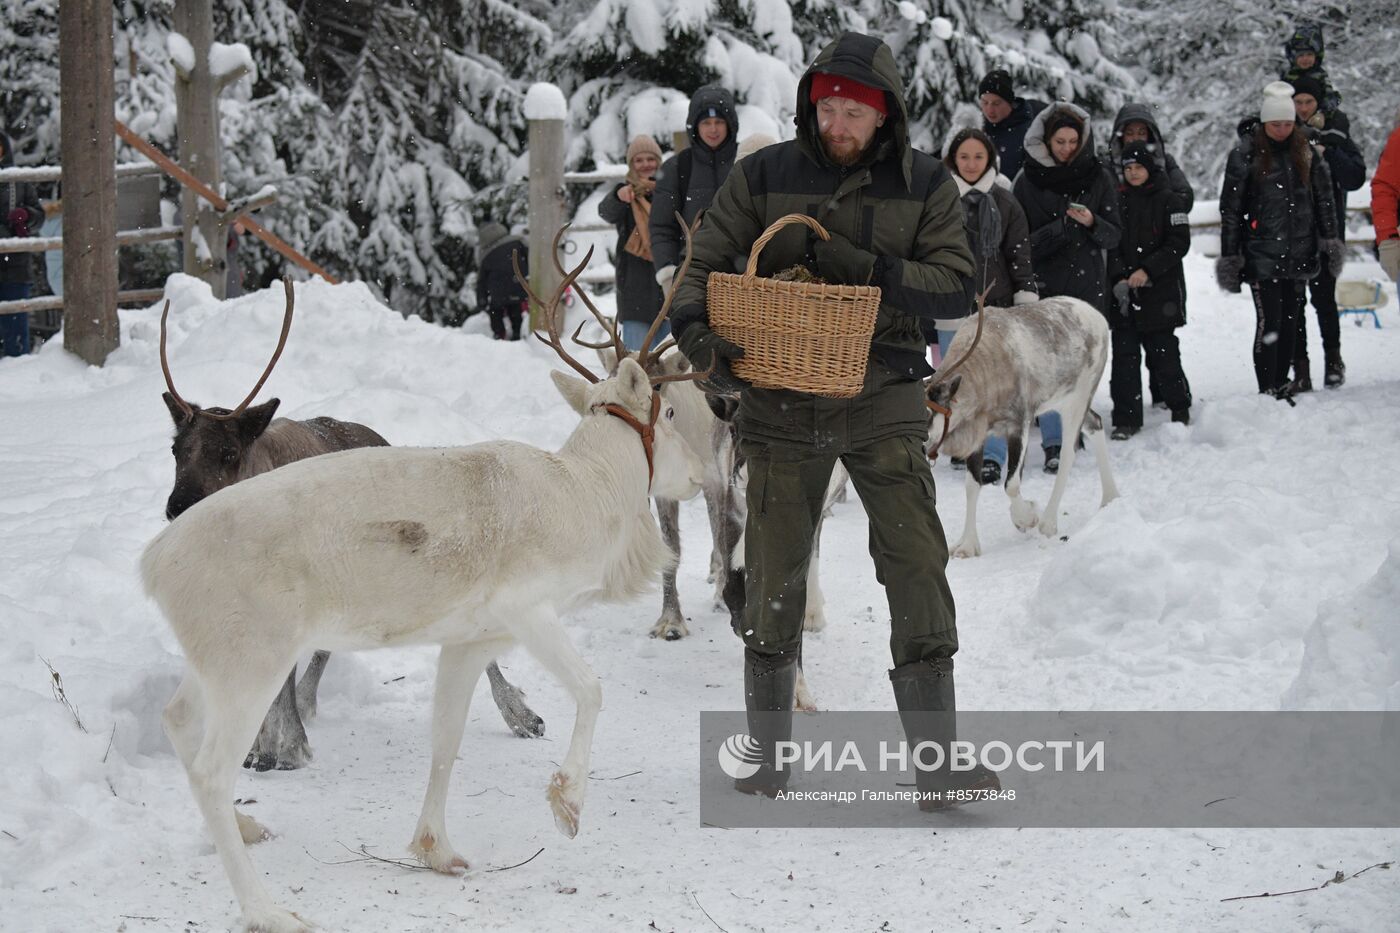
(769, 681)
(923, 692)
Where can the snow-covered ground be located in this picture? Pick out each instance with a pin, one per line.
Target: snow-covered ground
(1252, 563)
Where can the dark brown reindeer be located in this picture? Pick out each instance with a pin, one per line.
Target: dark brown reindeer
(217, 447)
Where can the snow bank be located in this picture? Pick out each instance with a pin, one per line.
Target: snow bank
(1351, 659)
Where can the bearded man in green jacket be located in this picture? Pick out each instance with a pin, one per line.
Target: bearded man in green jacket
(895, 221)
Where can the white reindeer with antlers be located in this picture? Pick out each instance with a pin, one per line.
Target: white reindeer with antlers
(1045, 356)
(475, 549)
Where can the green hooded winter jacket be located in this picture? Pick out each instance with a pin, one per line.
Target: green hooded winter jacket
(898, 204)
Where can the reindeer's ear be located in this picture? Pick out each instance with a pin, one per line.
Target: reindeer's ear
(574, 390)
(607, 358)
(634, 384)
(176, 412)
(674, 364)
(953, 386)
(254, 421)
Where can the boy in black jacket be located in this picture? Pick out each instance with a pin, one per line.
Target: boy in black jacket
(1149, 291)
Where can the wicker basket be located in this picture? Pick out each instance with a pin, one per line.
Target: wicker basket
(802, 336)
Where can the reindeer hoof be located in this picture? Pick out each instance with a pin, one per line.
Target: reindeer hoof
(1023, 515)
(967, 550)
(565, 803)
(275, 920)
(670, 629)
(1048, 526)
(814, 621)
(437, 854)
(251, 830)
(293, 758)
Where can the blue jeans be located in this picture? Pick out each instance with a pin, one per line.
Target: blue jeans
(14, 328)
(634, 332)
(995, 446)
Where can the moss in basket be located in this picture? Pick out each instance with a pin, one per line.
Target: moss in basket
(798, 274)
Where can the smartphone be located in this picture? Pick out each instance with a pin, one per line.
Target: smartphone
(1076, 206)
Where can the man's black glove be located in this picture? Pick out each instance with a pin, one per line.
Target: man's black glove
(1228, 272)
(840, 262)
(705, 349)
(1334, 254)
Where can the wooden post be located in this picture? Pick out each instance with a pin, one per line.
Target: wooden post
(544, 109)
(88, 152)
(197, 118)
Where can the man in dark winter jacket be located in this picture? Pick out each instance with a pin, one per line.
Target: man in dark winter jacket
(1006, 118)
(895, 221)
(1331, 133)
(1149, 290)
(498, 292)
(20, 216)
(687, 182)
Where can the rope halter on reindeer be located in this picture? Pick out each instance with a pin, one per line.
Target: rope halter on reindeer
(185, 406)
(646, 431)
(944, 372)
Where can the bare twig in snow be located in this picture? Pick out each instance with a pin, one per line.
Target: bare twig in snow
(110, 738)
(706, 913)
(518, 864)
(1338, 878)
(56, 685)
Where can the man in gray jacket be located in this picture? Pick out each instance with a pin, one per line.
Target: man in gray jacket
(687, 182)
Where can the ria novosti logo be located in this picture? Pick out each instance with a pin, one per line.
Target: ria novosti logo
(740, 756)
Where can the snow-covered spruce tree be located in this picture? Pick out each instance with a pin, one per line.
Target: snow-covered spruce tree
(630, 66)
(1206, 61)
(29, 78)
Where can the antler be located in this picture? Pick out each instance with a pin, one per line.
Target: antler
(609, 328)
(644, 355)
(945, 371)
(276, 355)
(165, 366)
(552, 306)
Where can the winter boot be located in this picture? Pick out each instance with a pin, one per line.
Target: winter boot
(769, 681)
(991, 473)
(923, 692)
(957, 463)
(1302, 379)
(1181, 417)
(1336, 373)
(1122, 432)
(1052, 459)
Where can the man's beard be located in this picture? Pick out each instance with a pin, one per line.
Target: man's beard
(844, 154)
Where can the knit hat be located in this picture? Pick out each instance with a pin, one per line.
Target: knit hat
(999, 83)
(828, 85)
(1063, 118)
(642, 144)
(1277, 104)
(1307, 85)
(752, 143)
(1138, 153)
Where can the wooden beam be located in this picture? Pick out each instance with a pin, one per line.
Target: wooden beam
(143, 296)
(87, 103)
(47, 173)
(194, 184)
(44, 244)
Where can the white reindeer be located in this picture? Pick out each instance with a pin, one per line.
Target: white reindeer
(475, 549)
(1036, 358)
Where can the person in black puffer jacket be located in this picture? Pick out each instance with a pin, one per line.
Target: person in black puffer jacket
(20, 216)
(1277, 218)
(1071, 204)
(687, 181)
(1149, 290)
(1331, 132)
(497, 291)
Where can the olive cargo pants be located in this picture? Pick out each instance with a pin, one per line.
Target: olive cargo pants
(786, 489)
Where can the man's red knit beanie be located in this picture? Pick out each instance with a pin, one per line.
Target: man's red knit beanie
(827, 85)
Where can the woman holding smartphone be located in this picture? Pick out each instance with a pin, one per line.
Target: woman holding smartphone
(1071, 205)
